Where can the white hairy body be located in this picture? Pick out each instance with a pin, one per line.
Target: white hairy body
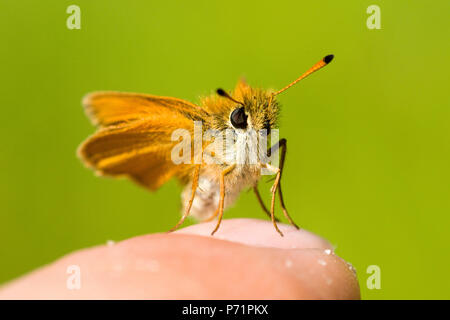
(244, 155)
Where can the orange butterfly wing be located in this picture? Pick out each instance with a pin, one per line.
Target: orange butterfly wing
(134, 138)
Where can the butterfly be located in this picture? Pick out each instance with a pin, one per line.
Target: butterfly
(213, 148)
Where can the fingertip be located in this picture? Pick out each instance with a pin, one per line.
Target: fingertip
(311, 267)
(324, 274)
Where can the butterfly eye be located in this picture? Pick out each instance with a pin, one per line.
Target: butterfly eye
(238, 118)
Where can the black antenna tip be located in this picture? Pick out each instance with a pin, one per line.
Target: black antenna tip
(328, 58)
(221, 92)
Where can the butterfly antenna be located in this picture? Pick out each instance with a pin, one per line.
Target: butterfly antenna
(224, 94)
(319, 65)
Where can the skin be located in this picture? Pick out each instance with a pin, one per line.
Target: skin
(246, 259)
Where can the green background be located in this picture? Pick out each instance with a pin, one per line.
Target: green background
(368, 164)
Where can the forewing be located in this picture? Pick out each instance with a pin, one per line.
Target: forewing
(113, 108)
(137, 142)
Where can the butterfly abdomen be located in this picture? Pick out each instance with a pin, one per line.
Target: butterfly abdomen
(207, 195)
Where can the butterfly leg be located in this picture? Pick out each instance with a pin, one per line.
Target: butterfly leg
(274, 189)
(283, 145)
(191, 200)
(261, 202)
(222, 195)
